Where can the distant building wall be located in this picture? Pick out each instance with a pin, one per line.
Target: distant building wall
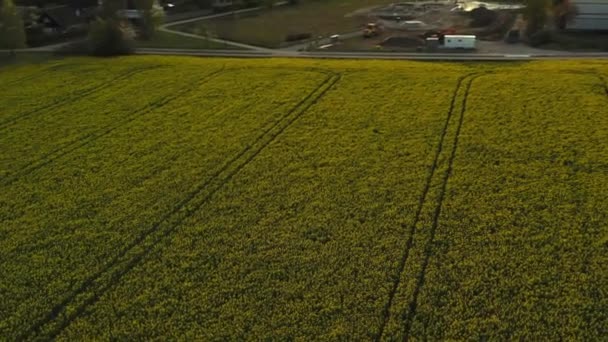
(591, 15)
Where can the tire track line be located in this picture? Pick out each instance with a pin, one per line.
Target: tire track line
(73, 98)
(421, 201)
(429, 246)
(428, 250)
(604, 81)
(89, 138)
(601, 77)
(83, 141)
(123, 262)
(39, 74)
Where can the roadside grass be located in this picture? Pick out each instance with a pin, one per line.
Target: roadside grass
(577, 41)
(269, 27)
(170, 40)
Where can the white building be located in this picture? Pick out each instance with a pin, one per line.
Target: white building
(590, 15)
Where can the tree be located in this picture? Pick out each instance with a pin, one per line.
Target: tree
(110, 8)
(108, 37)
(536, 15)
(152, 16)
(12, 33)
(564, 12)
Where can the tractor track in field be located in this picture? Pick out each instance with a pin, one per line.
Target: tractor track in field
(421, 201)
(71, 99)
(48, 327)
(39, 74)
(93, 136)
(412, 306)
(70, 147)
(604, 81)
(601, 77)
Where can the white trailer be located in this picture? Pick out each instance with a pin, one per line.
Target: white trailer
(590, 15)
(459, 41)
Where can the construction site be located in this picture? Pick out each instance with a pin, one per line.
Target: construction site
(416, 26)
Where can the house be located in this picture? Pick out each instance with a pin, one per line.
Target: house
(584, 15)
(127, 9)
(44, 25)
(59, 19)
(52, 19)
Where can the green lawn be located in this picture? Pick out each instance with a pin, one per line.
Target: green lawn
(270, 27)
(173, 41)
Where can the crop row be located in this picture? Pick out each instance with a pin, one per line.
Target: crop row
(411, 271)
(305, 241)
(218, 199)
(62, 85)
(154, 238)
(66, 221)
(12, 76)
(42, 137)
(520, 248)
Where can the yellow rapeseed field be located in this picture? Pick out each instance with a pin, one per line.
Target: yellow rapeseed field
(225, 199)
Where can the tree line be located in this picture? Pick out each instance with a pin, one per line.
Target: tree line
(109, 34)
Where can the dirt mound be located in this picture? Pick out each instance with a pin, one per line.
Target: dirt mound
(482, 17)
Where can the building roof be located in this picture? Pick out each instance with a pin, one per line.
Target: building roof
(460, 36)
(63, 16)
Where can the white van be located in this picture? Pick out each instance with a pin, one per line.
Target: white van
(459, 42)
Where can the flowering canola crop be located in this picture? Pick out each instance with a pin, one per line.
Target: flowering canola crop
(214, 199)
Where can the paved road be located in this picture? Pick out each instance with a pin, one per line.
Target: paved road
(500, 47)
(267, 53)
(373, 55)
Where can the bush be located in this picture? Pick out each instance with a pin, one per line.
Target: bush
(540, 38)
(12, 34)
(152, 18)
(110, 38)
(482, 17)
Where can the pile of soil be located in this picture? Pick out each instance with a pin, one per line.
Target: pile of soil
(482, 16)
(498, 29)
